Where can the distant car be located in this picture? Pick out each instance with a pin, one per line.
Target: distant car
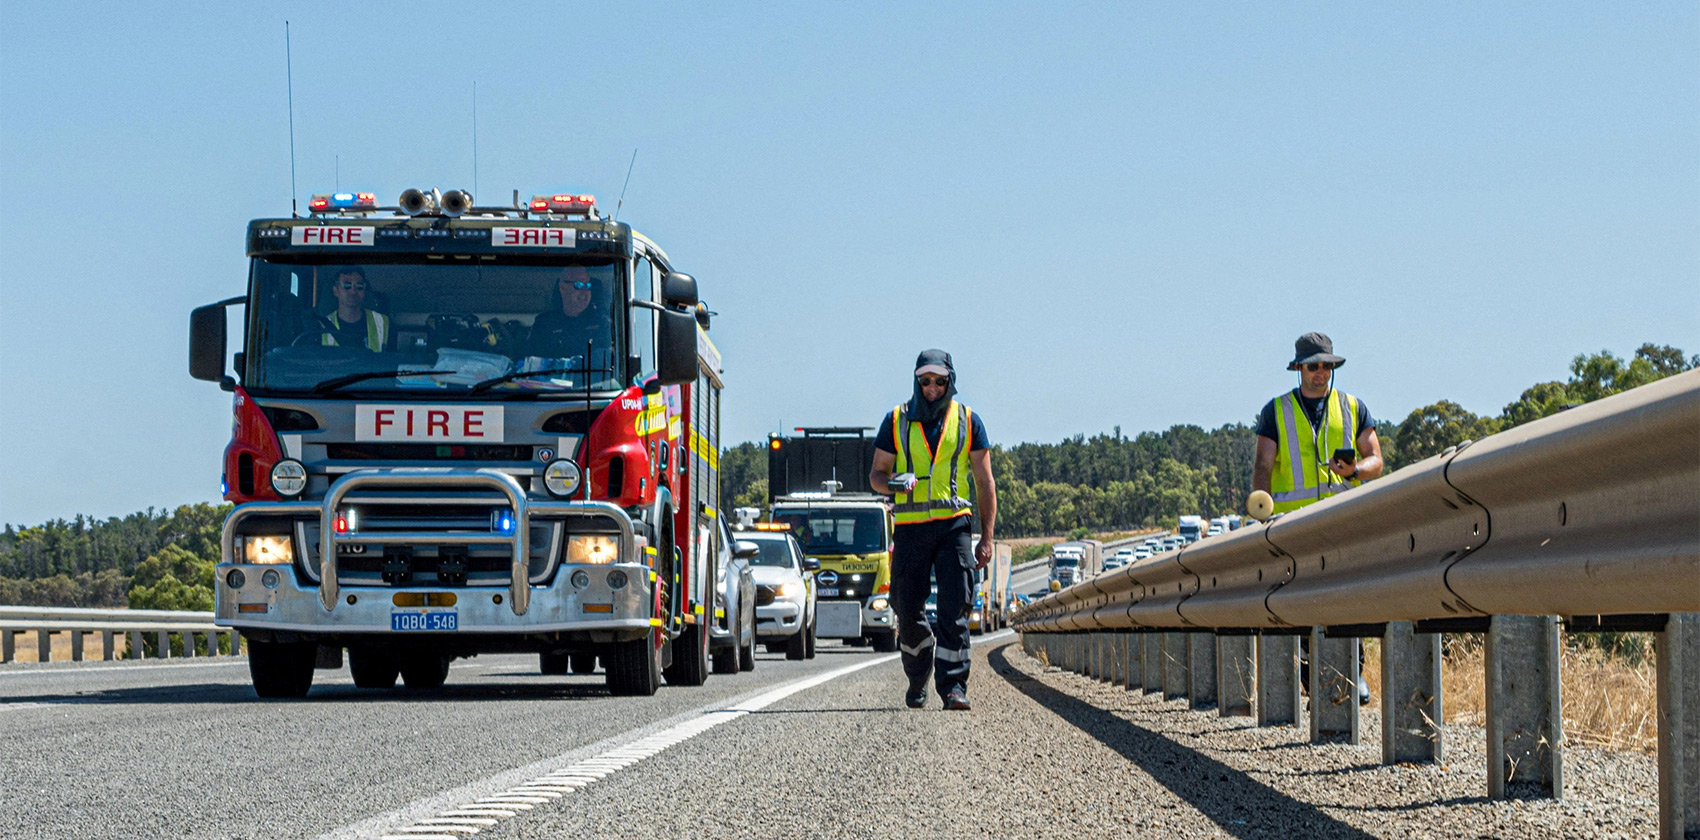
(785, 592)
(1214, 530)
(1153, 541)
(732, 633)
(1141, 553)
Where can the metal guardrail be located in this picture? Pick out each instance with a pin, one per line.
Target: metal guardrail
(1592, 515)
(45, 622)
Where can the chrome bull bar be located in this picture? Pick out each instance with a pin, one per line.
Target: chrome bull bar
(519, 541)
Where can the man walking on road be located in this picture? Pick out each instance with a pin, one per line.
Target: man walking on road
(1315, 441)
(924, 454)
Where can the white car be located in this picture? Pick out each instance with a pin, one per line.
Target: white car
(1214, 530)
(785, 592)
(1141, 553)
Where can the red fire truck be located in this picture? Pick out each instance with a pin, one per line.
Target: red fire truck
(463, 429)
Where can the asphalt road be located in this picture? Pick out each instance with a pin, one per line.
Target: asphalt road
(821, 748)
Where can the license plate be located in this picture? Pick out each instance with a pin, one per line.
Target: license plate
(409, 621)
(828, 592)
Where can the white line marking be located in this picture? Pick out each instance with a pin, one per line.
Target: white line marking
(518, 790)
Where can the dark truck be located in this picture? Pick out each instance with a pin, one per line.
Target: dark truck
(818, 484)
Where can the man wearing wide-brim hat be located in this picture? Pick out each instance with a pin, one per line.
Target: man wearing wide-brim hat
(1315, 440)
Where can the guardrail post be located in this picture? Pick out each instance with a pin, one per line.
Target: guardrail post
(1201, 669)
(106, 647)
(1236, 675)
(1151, 664)
(188, 645)
(163, 640)
(1277, 680)
(1174, 665)
(1525, 724)
(1333, 688)
(235, 643)
(137, 649)
(44, 645)
(8, 645)
(76, 645)
(1130, 649)
(1410, 695)
(1678, 651)
(1095, 657)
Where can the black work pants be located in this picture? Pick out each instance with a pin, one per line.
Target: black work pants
(922, 553)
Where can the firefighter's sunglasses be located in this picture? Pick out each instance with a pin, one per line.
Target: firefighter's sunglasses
(932, 381)
(1313, 367)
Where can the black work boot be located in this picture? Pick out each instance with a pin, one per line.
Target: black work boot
(956, 700)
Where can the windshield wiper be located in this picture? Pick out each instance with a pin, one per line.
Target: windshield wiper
(528, 374)
(340, 381)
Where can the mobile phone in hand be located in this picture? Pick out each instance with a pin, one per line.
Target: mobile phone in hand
(1346, 454)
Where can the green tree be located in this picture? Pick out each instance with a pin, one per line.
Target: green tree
(169, 593)
(1431, 429)
(1536, 402)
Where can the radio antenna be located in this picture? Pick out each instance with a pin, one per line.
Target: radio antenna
(475, 138)
(622, 201)
(289, 80)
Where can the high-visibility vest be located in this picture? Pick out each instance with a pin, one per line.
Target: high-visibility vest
(377, 332)
(937, 493)
(1302, 452)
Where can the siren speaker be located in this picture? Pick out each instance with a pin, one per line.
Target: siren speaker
(456, 202)
(416, 202)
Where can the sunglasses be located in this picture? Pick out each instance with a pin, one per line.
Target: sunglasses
(350, 286)
(1313, 367)
(583, 285)
(932, 381)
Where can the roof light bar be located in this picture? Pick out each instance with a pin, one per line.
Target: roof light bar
(563, 203)
(332, 202)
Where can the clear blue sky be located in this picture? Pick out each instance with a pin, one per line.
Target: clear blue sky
(1110, 214)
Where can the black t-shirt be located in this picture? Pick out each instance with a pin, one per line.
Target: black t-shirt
(350, 335)
(555, 334)
(977, 439)
(1266, 422)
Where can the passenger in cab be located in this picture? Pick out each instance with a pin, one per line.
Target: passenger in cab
(577, 316)
(353, 325)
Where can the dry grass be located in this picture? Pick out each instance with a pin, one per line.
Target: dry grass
(1610, 701)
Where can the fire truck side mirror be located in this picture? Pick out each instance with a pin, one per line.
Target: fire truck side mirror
(679, 290)
(677, 348)
(206, 344)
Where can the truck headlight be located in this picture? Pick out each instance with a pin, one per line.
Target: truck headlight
(289, 477)
(561, 477)
(268, 549)
(878, 604)
(591, 548)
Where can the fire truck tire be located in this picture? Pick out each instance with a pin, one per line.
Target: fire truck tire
(885, 642)
(584, 663)
(552, 664)
(424, 670)
(634, 667)
(797, 647)
(690, 657)
(372, 668)
(281, 669)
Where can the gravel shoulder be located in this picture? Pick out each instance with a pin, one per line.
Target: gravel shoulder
(1046, 753)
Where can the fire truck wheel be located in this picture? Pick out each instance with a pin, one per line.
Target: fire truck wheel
(584, 663)
(281, 669)
(424, 670)
(372, 668)
(552, 664)
(885, 642)
(797, 647)
(634, 667)
(690, 657)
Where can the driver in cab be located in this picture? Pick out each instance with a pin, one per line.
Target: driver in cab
(353, 325)
(577, 316)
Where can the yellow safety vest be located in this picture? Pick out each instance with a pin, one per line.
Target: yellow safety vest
(377, 332)
(1302, 453)
(935, 495)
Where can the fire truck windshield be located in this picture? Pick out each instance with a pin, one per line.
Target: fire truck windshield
(435, 328)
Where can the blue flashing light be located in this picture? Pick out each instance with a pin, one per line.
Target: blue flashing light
(505, 522)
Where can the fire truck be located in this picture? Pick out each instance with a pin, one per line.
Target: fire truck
(463, 429)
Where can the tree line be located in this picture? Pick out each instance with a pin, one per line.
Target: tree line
(164, 560)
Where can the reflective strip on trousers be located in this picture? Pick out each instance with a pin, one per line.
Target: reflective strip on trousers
(916, 650)
(949, 655)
